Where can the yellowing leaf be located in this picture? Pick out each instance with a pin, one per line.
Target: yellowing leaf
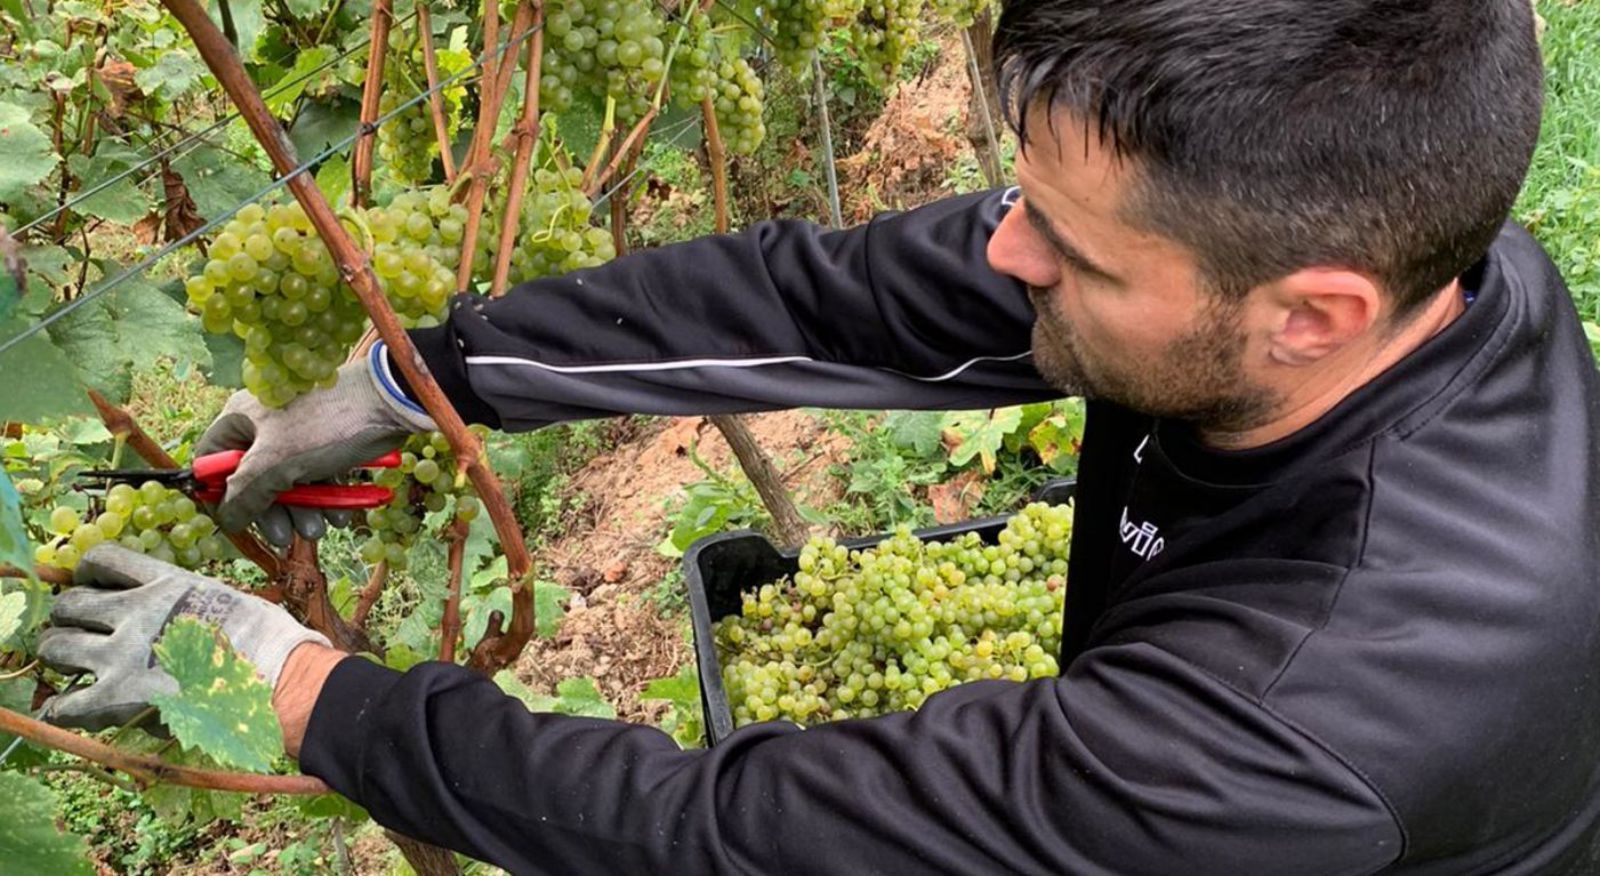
(222, 707)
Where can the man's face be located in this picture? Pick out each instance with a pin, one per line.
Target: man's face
(1122, 314)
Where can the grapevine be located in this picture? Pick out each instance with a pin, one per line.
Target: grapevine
(879, 630)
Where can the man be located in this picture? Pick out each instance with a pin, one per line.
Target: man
(1266, 240)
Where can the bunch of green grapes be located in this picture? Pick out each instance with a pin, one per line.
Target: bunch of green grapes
(740, 102)
(600, 49)
(694, 68)
(425, 482)
(554, 231)
(863, 633)
(959, 12)
(883, 34)
(417, 245)
(407, 142)
(153, 520)
(270, 281)
(704, 67)
(797, 28)
(842, 10)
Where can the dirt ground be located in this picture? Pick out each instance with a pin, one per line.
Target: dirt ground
(608, 558)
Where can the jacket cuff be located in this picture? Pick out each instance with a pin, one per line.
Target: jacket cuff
(446, 360)
(334, 748)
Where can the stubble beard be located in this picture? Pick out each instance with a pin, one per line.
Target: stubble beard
(1198, 379)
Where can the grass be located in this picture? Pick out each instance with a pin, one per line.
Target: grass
(1561, 201)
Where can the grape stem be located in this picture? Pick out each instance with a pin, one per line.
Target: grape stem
(150, 770)
(370, 593)
(636, 135)
(480, 157)
(47, 574)
(450, 627)
(526, 134)
(498, 647)
(371, 93)
(430, 66)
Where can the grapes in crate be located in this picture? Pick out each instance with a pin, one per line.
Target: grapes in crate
(879, 630)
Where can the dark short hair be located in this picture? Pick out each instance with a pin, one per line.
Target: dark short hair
(1389, 137)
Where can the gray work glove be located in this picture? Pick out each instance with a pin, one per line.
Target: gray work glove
(318, 436)
(109, 623)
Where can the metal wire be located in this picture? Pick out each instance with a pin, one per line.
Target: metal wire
(193, 141)
(107, 285)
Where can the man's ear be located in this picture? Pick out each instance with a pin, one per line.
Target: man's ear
(1316, 312)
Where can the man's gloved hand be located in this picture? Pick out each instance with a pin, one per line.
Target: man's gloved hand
(318, 436)
(123, 602)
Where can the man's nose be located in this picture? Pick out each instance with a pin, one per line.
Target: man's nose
(1016, 250)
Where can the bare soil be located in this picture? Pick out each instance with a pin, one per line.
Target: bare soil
(614, 632)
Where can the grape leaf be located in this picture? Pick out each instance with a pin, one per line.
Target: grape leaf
(29, 157)
(322, 123)
(14, 548)
(174, 73)
(303, 76)
(306, 8)
(574, 696)
(12, 605)
(682, 689)
(29, 840)
(121, 201)
(479, 608)
(217, 181)
(333, 178)
(248, 23)
(40, 381)
(221, 708)
(917, 431)
(579, 696)
(549, 607)
(125, 329)
(980, 434)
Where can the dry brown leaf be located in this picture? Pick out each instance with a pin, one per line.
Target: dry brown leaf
(954, 499)
(181, 214)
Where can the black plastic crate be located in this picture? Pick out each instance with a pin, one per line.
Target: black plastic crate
(719, 568)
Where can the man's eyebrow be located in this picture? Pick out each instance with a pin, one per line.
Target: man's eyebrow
(1066, 250)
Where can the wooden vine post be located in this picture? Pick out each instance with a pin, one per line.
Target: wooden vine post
(499, 647)
(978, 42)
(789, 526)
(371, 96)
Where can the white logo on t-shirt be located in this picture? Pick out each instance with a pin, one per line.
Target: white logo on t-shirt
(1143, 539)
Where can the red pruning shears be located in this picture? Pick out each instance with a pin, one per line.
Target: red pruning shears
(207, 479)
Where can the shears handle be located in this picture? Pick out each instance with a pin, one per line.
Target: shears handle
(212, 470)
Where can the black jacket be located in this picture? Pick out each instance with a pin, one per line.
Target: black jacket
(1371, 647)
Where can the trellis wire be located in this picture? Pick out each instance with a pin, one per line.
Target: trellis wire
(193, 141)
(107, 285)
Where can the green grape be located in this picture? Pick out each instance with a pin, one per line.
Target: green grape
(394, 528)
(64, 520)
(879, 630)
